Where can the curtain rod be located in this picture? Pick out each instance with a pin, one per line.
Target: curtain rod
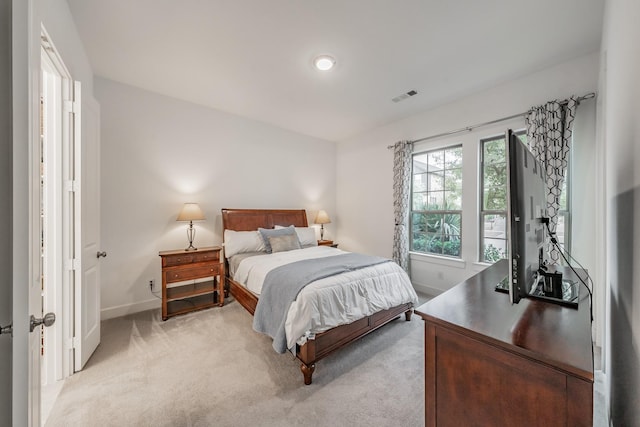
(472, 127)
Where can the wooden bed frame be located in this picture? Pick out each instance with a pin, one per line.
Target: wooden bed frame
(325, 342)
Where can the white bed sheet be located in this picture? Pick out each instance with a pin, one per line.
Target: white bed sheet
(332, 301)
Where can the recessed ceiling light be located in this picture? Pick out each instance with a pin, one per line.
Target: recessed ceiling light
(324, 62)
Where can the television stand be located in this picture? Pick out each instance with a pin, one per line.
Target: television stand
(490, 362)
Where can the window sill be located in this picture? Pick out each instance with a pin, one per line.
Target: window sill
(440, 260)
(479, 265)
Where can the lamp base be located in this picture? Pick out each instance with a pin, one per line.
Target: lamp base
(191, 234)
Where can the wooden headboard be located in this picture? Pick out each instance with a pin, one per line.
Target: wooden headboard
(252, 219)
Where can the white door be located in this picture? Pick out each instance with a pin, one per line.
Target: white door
(71, 217)
(87, 203)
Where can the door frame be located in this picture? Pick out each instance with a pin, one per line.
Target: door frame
(58, 219)
(6, 212)
(25, 63)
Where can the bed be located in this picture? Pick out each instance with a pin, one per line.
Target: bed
(314, 345)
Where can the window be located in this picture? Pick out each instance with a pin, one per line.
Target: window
(493, 200)
(436, 202)
(563, 228)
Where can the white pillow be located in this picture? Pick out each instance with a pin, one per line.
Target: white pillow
(237, 242)
(306, 235)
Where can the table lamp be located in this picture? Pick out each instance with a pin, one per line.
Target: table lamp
(191, 212)
(322, 218)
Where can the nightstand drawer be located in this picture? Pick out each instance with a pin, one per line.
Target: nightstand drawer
(181, 259)
(171, 260)
(182, 274)
(206, 256)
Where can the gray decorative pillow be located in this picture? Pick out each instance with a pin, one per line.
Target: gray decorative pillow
(287, 242)
(266, 233)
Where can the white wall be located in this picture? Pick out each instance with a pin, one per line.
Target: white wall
(364, 165)
(158, 153)
(620, 86)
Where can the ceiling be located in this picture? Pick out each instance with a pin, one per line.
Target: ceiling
(254, 57)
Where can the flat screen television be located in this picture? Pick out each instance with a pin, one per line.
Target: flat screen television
(529, 275)
(526, 206)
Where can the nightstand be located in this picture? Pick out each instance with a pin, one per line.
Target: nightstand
(181, 293)
(327, 243)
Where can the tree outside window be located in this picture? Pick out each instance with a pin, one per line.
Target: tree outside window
(563, 227)
(436, 214)
(493, 197)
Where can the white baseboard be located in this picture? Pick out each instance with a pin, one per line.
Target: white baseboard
(123, 310)
(429, 290)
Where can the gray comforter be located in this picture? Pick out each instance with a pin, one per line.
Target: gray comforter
(282, 285)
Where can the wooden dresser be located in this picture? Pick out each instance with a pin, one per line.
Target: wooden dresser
(488, 362)
(183, 287)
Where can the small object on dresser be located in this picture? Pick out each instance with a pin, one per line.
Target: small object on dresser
(181, 269)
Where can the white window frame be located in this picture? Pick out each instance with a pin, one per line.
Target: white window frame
(443, 212)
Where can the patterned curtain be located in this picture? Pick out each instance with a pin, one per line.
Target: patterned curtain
(402, 151)
(549, 129)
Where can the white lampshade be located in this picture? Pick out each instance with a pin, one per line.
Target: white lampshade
(322, 218)
(191, 212)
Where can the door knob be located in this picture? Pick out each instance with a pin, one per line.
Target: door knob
(101, 254)
(6, 329)
(48, 320)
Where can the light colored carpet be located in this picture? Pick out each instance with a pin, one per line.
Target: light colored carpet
(209, 368)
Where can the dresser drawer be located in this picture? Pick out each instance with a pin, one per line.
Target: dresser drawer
(181, 274)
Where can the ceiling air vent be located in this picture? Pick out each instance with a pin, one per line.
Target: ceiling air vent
(404, 96)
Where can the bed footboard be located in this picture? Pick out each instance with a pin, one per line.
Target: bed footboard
(327, 342)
